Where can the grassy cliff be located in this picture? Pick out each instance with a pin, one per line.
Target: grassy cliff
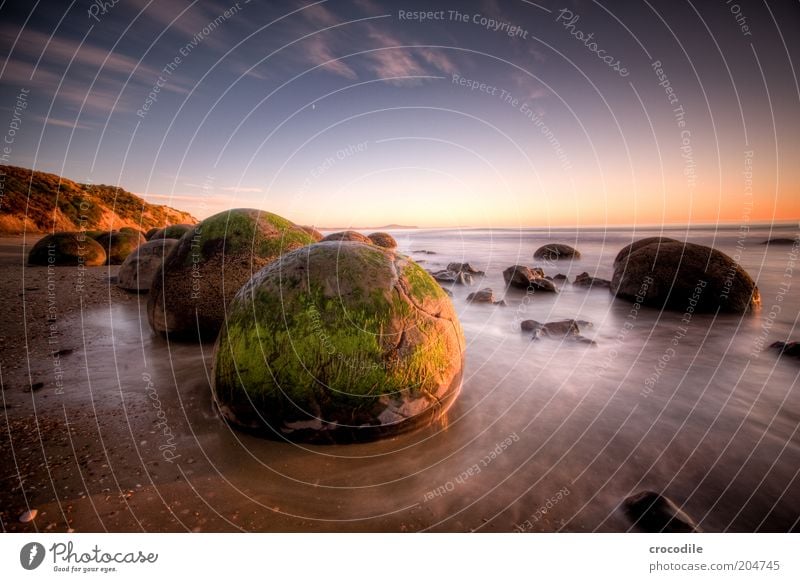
(40, 202)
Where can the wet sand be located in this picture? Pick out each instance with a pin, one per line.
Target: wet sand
(542, 438)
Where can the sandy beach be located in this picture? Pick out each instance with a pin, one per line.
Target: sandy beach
(106, 426)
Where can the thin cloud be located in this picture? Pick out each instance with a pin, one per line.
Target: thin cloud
(369, 7)
(54, 121)
(320, 16)
(242, 189)
(62, 51)
(319, 53)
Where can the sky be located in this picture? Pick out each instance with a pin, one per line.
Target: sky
(454, 114)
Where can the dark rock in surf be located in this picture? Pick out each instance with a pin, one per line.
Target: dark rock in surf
(484, 296)
(669, 274)
(566, 329)
(585, 280)
(464, 268)
(555, 252)
(791, 349)
(781, 241)
(652, 512)
(531, 280)
(447, 276)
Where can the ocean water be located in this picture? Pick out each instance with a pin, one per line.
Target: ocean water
(546, 435)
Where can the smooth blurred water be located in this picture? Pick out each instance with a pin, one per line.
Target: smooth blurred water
(717, 431)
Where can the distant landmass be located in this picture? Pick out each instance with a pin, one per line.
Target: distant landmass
(41, 202)
(384, 227)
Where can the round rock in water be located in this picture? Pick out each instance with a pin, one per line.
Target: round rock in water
(556, 251)
(383, 239)
(67, 249)
(137, 271)
(118, 245)
(669, 274)
(191, 290)
(338, 342)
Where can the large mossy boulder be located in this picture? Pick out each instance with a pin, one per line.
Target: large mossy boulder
(670, 274)
(347, 236)
(211, 262)
(555, 252)
(118, 245)
(67, 249)
(137, 271)
(174, 231)
(338, 342)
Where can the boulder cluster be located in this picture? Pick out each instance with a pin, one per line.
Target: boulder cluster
(341, 338)
(333, 338)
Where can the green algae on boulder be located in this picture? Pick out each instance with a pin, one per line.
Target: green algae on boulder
(338, 342)
(175, 231)
(67, 249)
(118, 245)
(191, 291)
(137, 271)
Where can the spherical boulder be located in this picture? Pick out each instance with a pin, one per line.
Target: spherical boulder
(149, 234)
(556, 251)
(338, 342)
(383, 239)
(670, 274)
(191, 291)
(626, 251)
(315, 234)
(67, 249)
(132, 230)
(347, 236)
(118, 245)
(174, 231)
(137, 270)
